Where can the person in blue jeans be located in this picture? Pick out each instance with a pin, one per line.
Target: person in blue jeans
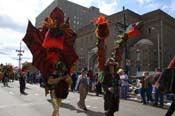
(142, 93)
(145, 88)
(159, 96)
(124, 83)
(149, 92)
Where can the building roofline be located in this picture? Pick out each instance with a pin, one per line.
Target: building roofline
(158, 11)
(126, 10)
(163, 15)
(70, 3)
(79, 4)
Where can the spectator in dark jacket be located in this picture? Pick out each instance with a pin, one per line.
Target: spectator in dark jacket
(22, 83)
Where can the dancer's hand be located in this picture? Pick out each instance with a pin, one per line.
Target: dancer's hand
(157, 84)
(111, 89)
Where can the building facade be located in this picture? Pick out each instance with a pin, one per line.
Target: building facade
(79, 16)
(153, 48)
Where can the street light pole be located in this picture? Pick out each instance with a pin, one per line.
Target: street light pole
(126, 50)
(158, 48)
(88, 60)
(161, 45)
(20, 51)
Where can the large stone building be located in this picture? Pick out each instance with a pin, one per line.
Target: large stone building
(153, 48)
(79, 15)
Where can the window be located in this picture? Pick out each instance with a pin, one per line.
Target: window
(78, 22)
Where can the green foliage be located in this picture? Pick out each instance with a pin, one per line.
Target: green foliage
(101, 76)
(118, 41)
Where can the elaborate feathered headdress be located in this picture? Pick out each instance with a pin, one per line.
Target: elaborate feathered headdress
(51, 43)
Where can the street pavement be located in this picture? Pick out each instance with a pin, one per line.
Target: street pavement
(37, 104)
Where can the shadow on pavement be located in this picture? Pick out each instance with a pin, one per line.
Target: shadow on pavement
(71, 107)
(8, 86)
(28, 88)
(89, 112)
(90, 94)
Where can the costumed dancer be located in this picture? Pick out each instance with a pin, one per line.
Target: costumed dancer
(53, 54)
(166, 84)
(6, 71)
(110, 84)
(1, 72)
(59, 82)
(108, 76)
(171, 109)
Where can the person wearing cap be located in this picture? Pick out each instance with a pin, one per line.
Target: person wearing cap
(124, 83)
(110, 86)
(82, 85)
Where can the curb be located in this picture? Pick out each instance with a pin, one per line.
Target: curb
(135, 99)
(166, 105)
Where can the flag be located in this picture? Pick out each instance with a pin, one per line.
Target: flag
(133, 30)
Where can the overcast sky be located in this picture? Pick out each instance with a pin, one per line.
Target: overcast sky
(14, 16)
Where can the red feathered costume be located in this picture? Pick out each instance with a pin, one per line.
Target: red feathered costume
(53, 54)
(108, 76)
(102, 32)
(172, 63)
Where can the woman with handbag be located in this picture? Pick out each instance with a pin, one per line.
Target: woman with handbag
(82, 86)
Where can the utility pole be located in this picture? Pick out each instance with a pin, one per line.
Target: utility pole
(20, 51)
(161, 46)
(126, 50)
(158, 47)
(158, 50)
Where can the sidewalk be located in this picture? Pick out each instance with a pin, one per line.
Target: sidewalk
(137, 98)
